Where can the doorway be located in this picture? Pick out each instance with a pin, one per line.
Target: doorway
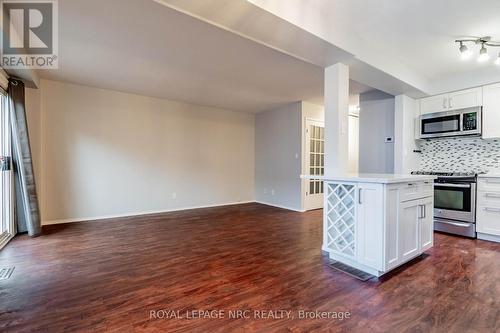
(314, 163)
(6, 208)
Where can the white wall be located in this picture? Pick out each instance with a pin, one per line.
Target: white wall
(376, 123)
(406, 114)
(354, 133)
(353, 144)
(278, 157)
(106, 153)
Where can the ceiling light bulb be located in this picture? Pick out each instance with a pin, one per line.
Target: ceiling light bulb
(483, 54)
(465, 53)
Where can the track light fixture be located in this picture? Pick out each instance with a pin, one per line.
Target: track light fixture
(465, 52)
(483, 54)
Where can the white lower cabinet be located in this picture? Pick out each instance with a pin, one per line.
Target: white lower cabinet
(373, 227)
(369, 229)
(488, 209)
(427, 225)
(409, 230)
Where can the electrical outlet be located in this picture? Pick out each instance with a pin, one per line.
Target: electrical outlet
(272, 192)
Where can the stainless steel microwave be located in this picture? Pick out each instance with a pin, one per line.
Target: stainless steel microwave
(464, 122)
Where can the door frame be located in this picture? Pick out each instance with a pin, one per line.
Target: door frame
(308, 203)
(7, 181)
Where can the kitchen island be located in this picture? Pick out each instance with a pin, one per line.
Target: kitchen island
(377, 222)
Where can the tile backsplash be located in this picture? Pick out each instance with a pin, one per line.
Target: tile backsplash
(460, 155)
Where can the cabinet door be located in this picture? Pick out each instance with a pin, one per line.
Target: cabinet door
(409, 229)
(491, 111)
(370, 226)
(426, 222)
(465, 99)
(488, 219)
(392, 203)
(433, 104)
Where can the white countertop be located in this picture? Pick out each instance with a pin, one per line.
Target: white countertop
(490, 175)
(378, 178)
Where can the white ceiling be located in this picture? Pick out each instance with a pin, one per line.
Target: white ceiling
(255, 23)
(412, 39)
(254, 55)
(146, 48)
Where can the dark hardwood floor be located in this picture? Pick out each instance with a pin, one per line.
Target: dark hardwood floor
(108, 276)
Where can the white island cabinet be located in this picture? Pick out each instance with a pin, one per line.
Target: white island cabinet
(376, 223)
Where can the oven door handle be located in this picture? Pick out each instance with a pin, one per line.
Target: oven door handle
(456, 224)
(453, 185)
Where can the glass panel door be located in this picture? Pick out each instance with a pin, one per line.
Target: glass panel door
(315, 163)
(6, 211)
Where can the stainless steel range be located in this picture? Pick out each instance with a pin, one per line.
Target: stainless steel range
(454, 202)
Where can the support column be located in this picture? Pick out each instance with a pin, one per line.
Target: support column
(336, 119)
(406, 130)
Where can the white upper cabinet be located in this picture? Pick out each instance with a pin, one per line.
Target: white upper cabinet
(465, 99)
(452, 101)
(491, 111)
(432, 104)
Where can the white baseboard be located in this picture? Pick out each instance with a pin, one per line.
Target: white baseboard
(280, 206)
(486, 237)
(107, 217)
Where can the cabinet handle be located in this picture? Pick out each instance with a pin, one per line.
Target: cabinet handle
(450, 102)
(425, 211)
(492, 210)
(444, 103)
(490, 195)
(491, 181)
(359, 197)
